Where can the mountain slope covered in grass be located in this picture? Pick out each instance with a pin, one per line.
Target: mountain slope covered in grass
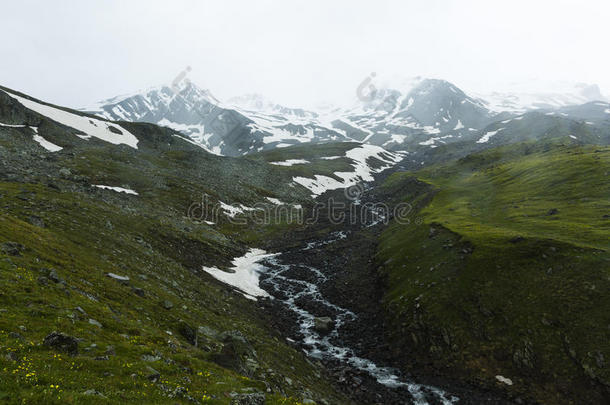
(103, 296)
(504, 278)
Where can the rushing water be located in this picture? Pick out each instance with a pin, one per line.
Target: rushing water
(279, 280)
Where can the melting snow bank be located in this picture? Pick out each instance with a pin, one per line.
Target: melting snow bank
(363, 171)
(244, 273)
(51, 147)
(117, 189)
(90, 127)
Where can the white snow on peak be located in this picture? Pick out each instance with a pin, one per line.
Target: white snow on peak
(90, 127)
(459, 125)
(244, 274)
(117, 189)
(362, 170)
(290, 162)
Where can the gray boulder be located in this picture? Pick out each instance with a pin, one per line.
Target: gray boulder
(323, 324)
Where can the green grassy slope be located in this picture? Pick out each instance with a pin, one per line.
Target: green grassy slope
(509, 272)
(60, 237)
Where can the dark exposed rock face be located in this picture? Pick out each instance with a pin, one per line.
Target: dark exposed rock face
(62, 342)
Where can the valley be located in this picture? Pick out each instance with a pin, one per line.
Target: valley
(467, 263)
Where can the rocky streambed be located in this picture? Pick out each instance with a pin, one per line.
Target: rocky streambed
(326, 300)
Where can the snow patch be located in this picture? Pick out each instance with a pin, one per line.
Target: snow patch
(362, 171)
(275, 201)
(244, 274)
(485, 138)
(291, 162)
(431, 141)
(51, 147)
(232, 210)
(504, 380)
(117, 189)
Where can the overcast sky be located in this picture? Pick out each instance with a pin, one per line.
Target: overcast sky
(296, 52)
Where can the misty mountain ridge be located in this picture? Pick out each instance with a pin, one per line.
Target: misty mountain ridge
(418, 112)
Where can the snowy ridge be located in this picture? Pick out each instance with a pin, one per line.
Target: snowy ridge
(90, 127)
(400, 115)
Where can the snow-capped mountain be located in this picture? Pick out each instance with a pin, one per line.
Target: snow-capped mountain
(407, 115)
(221, 129)
(428, 109)
(193, 111)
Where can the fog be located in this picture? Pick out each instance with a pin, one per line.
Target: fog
(297, 53)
